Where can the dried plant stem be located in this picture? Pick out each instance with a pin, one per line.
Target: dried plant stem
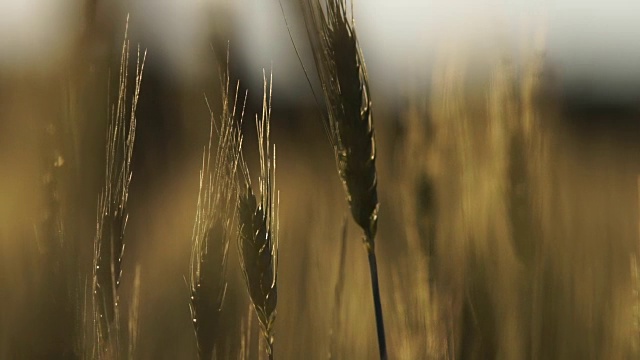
(56, 248)
(337, 292)
(377, 304)
(134, 315)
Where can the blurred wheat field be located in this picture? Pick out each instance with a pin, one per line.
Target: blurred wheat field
(508, 227)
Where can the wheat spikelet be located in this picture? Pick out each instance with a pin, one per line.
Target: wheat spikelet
(258, 230)
(217, 199)
(112, 204)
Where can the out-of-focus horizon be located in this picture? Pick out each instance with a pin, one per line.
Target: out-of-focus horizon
(591, 45)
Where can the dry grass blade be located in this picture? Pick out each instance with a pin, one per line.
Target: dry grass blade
(258, 230)
(112, 205)
(349, 126)
(217, 199)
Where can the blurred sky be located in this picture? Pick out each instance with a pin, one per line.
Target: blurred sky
(593, 45)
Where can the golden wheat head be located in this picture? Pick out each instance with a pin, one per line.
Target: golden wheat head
(349, 125)
(215, 214)
(112, 204)
(258, 230)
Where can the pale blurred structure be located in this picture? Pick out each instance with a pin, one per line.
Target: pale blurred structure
(592, 44)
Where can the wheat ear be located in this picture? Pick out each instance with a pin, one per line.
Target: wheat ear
(215, 214)
(258, 229)
(112, 205)
(349, 126)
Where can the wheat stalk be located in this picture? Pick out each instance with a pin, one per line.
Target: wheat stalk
(349, 126)
(258, 229)
(337, 292)
(57, 253)
(134, 315)
(217, 199)
(112, 205)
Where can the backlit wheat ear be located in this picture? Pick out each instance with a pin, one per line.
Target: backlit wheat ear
(349, 126)
(215, 214)
(258, 229)
(112, 205)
